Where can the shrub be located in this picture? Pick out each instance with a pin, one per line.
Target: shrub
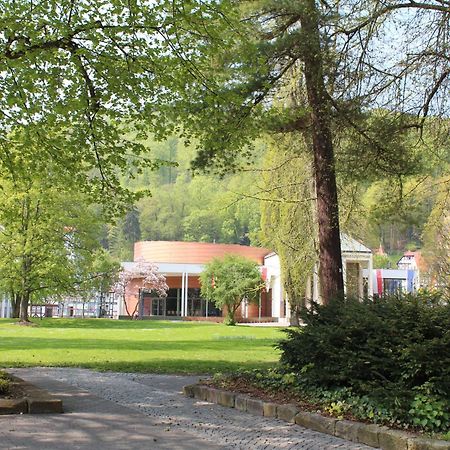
(393, 351)
(428, 410)
(4, 383)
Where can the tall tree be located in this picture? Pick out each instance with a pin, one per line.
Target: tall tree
(46, 244)
(437, 243)
(337, 52)
(49, 234)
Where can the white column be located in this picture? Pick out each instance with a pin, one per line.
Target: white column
(308, 291)
(344, 274)
(183, 312)
(360, 281)
(277, 296)
(316, 293)
(186, 286)
(287, 313)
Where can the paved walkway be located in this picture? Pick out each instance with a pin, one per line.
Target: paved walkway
(139, 411)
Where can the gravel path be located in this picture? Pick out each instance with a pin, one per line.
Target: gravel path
(156, 400)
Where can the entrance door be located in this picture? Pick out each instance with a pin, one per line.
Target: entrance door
(158, 306)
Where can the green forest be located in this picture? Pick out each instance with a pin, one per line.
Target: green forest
(396, 212)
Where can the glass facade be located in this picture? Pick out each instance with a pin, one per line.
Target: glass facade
(392, 286)
(171, 305)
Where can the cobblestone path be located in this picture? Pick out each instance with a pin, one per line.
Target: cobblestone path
(156, 416)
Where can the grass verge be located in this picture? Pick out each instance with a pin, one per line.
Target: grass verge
(138, 346)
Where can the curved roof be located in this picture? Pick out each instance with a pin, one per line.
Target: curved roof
(193, 252)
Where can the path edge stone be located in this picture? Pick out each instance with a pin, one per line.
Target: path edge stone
(35, 400)
(372, 435)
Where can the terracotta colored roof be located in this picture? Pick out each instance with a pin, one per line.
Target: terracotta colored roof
(420, 261)
(193, 252)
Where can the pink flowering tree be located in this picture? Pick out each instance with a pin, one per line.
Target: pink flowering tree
(141, 275)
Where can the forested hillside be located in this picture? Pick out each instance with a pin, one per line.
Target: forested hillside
(186, 207)
(392, 211)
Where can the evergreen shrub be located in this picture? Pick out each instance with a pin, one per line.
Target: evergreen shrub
(393, 352)
(4, 383)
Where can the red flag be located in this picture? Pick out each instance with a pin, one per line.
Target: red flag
(379, 281)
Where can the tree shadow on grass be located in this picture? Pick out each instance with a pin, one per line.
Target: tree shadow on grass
(219, 345)
(116, 324)
(164, 366)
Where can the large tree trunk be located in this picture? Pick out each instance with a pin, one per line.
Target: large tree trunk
(24, 302)
(330, 271)
(15, 304)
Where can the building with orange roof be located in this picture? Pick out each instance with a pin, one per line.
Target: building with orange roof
(182, 263)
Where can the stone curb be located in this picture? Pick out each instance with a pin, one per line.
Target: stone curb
(372, 435)
(35, 401)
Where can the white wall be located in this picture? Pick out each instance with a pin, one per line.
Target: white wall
(272, 263)
(5, 308)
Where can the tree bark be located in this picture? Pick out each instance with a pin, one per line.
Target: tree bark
(15, 304)
(330, 270)
(24, 301)
(126, 305)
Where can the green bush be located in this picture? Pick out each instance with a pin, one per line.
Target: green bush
(4, 383)
(392, 353)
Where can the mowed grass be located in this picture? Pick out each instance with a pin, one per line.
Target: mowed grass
(138, 346)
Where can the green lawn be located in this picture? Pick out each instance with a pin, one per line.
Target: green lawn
(137, 346)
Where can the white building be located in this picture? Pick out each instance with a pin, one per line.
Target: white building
(392, 281)
(355, 259)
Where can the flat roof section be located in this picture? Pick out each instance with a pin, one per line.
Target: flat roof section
(169, 269)
(177, 252)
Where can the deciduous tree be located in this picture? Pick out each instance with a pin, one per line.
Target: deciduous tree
(346, 62)
(48, 240)
(230, 280)
(288, 216)
(137, 277)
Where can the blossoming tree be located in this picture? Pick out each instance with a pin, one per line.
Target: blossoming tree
(139, 276)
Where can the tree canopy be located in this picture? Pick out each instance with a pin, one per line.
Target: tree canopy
(49, 240)
(84, 83)
(230, 280)
(343, 60)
